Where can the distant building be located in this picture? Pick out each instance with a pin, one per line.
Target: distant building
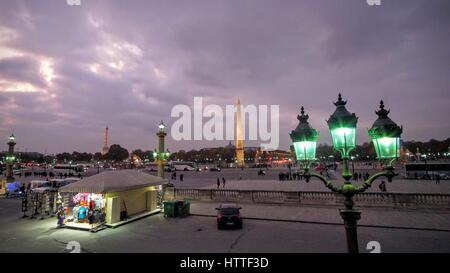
(273, 158)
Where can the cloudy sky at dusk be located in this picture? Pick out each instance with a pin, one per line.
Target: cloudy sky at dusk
(67, 71)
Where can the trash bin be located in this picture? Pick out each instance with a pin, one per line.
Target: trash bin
(169, 209)
(183, 208)
(180, 208)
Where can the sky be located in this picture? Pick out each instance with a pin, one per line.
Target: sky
(68, 71)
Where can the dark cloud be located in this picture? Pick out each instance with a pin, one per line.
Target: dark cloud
(21, 69)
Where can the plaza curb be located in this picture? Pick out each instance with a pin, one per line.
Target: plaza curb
(328, 223)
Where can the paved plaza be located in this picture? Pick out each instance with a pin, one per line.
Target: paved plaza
(431, 232)
(397, 186)
(249, 180)
(267, 228)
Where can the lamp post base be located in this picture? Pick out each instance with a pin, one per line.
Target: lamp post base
(350, 218)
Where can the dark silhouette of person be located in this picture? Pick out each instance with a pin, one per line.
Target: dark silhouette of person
(218, 183)
(382, 186)
(181, 177)
(223, 182)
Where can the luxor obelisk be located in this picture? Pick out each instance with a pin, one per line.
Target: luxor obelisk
(239, 137)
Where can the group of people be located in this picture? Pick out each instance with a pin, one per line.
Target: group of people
(360, 176)
(223, 182)
(290, 176)
(174, 176)
(427, 176)
(297, 175)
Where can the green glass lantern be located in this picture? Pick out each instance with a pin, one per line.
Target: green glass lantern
(342, 125)
(304, 138)
(385, 135)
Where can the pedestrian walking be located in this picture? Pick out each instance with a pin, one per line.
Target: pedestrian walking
(223, 182)
(181, 177)
(382, 186)
(218, 183)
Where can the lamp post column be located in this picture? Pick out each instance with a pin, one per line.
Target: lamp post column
(342, 125)
(161, 155)
(351, 217)
(385, 135)
(10, 159)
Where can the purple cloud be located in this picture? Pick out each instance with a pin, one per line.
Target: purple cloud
(127, 63)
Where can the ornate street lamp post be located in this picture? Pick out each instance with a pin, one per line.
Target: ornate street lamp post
(161, 156)
(385, 135)
(10, 159)
(304, 138)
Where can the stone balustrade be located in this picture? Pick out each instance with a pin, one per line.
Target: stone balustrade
(313, 198)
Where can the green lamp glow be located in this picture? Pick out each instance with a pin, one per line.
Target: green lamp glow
(385, 135)
(10, 158)
(342, 125)
(343, 138)
(304, 138)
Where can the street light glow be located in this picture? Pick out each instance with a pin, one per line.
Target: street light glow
(344, 138)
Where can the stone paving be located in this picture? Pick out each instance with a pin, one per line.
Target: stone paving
(295, 229)
(199, 234)
(414, 219)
